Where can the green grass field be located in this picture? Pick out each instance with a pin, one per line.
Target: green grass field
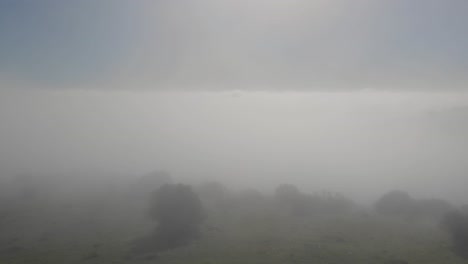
(255, 237)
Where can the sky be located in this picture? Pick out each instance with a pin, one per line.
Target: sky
(356, 96)
(219, 44)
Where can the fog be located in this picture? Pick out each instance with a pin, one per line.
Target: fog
(360, 142)
(233, 131)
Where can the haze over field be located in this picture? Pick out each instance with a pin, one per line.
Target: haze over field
(360, 142)
(346, 99)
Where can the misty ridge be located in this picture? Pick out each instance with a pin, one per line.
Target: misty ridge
(155, 219)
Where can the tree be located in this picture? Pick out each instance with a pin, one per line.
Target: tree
(286, 192)
(213, 190)
(456, 223)
(178, 212)
(433, 208)
(397, 203)
(292, 200)
(330, 203)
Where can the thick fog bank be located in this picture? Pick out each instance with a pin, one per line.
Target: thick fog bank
(360, 143)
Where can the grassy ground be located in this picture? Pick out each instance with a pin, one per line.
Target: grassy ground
(260, 238)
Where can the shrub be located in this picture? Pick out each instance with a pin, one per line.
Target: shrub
(456, 223)
(397, 203)
(178, 213)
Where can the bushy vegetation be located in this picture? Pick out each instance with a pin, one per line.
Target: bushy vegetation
(210, 223)
(178, 212)
(297, 203)
(401, 204)
(396, 203)
(456, 223)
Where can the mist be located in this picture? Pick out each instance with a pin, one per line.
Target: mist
(360, 143)
(233, 131)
